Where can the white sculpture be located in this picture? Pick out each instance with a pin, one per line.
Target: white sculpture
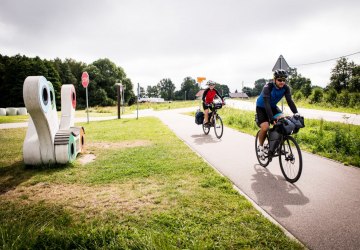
(47, 141)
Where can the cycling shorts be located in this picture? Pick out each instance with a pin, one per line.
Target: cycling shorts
(206, 106)
(262, 115)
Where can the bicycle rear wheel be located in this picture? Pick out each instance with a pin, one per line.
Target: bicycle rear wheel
(290, 159)
(206, 129)
(218, 126)
(264, 159)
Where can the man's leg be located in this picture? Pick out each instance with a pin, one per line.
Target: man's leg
(263, 130)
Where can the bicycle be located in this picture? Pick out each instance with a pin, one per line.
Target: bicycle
(215, 121)
(287, 149)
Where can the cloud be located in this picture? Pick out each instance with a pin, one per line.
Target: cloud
(227, 41)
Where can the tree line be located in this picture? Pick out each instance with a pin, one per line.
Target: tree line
(343, 90)
(103, 75)
(189, 88)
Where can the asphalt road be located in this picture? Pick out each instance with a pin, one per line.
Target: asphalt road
(322, 209)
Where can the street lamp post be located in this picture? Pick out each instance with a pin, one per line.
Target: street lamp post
(123, 98)
(119, 90)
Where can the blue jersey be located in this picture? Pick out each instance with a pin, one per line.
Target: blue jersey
(273, 93)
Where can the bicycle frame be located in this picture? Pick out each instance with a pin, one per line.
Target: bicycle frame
(289, 153)
(215, 122)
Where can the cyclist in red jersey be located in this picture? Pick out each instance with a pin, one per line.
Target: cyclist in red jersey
(208, 97)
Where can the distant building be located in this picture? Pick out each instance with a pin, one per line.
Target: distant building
(200, 94)
(238, 95)
(150, 99)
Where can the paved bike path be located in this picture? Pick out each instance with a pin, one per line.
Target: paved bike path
(322, 209)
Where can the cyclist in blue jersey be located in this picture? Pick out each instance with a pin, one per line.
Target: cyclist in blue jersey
(267, 110)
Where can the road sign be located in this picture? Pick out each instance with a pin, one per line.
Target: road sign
(85, 79)
(281, 64)
(200, 80)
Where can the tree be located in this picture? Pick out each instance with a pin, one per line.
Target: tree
(189, 87)
(341, 74)
(166, 88)
(223, 89)
(142, 92)
(108, 75)
(258, 86)
(152, 91)
(299, 83)
(354, 83)
(129, 94)
(248, 91)
(103, 75)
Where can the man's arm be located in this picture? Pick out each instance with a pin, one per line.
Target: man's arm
(290, 101)
(266, 95)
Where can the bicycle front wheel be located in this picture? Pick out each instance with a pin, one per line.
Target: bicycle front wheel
(206, 129)
(290, 159)
(263, 159)
(218, 126)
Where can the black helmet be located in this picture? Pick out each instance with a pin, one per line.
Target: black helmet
(280, 73)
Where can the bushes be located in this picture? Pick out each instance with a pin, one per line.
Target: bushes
(298, 95)
(316, 95)
(343, 99)
(354, 100)
(329, 98)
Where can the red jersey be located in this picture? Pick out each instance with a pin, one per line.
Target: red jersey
(209, 95)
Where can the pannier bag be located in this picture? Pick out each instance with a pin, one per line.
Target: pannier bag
(199, 117)
(298, 121)
(285, 126)
(274, 140)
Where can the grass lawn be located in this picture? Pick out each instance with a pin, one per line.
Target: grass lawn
(145, 190)
(110, 111)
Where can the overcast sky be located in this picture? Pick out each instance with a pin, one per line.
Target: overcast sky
(232, 42)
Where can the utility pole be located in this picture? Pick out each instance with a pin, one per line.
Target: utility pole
(137, 102)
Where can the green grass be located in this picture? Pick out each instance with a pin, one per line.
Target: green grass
(110, 110)
(326, 106)
(14, 118)
(166, 105)
(333, 140)
(141, 192)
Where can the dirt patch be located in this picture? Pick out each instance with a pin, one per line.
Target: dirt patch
(86, 158)
(94, 200)
(116, 145)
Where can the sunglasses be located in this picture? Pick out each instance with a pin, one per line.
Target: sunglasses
(281, 80)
